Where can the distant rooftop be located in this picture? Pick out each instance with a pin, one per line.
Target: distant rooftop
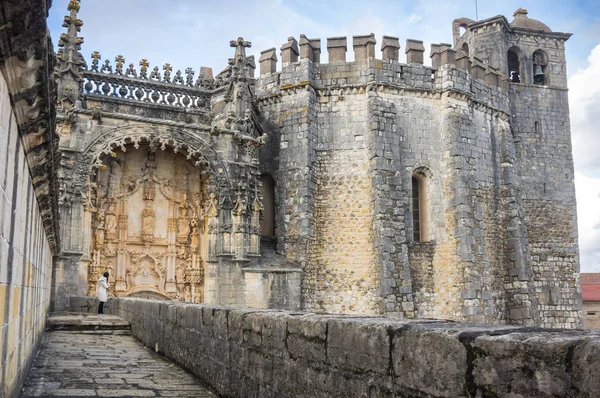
(590, 286)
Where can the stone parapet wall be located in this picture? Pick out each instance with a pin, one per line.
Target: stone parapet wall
(25, 257)
(404, 79)
(260, 353)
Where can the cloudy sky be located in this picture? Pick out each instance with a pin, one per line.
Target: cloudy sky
(197, 32)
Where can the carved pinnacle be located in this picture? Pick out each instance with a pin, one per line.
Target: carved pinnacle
(73, 5)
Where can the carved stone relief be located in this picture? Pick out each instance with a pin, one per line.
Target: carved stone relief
(146, 230)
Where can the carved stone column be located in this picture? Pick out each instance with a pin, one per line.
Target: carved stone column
(254, 232)
(225, 227)
(239, 221)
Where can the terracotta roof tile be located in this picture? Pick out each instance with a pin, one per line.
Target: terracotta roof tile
(592, 278)
(590, 292)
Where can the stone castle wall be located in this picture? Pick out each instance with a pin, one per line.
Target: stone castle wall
(25, 257)
(397, 119)
(458, 124)
(342, 142)
(546, 160)
(258, 353)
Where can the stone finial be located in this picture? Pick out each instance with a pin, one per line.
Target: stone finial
(73, 5)
(447, 56)
(336, 48)
(250, 61)
(364, 47)
(478, 69)
(463, 62)
(289, 51)
(520, 11)
(268, 61)
(414, 51)
(390, 47)
(434, 54)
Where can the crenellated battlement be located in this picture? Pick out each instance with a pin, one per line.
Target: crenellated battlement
(366, 64)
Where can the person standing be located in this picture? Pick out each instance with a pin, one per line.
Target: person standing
(102, 292)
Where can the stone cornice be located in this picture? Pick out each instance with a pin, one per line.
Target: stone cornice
(391, 88)
(26, 62)
(135, 118)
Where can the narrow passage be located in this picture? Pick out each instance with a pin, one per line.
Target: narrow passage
(105, 363)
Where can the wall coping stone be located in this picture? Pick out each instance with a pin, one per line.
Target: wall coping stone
(248, 352)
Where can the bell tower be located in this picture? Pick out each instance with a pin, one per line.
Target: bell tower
(533, 58)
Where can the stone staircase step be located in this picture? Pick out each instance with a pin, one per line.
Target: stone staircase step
(84, 322)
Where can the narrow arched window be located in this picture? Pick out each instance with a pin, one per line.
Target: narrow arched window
(540, 61)
(513, 60)
(420, 215)
(416, 209)
(465, 48)
(267, 223)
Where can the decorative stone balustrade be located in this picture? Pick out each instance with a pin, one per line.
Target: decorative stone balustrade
(154, 92)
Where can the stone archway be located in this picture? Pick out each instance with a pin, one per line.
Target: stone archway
(146, 223)
(196, 149)
(147, 195)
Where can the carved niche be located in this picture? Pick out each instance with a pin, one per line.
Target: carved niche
(146, 229)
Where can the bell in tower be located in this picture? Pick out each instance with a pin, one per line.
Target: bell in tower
(539, 75)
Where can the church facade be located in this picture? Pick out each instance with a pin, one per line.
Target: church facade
(371, 187)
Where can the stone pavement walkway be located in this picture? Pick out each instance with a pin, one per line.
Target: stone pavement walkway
(104, 363)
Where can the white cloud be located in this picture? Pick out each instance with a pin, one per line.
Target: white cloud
(584, 101)
(588, 209)
(414, 18)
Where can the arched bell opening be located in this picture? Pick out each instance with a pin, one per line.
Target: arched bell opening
(514, 59)
(147, 208)
(465, 49)
(540, 62)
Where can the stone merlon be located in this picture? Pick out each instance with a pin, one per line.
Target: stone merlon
(414, 51)
(336, 48)
(289, 51)
(390, 48)
(268, 61)
(364, 47)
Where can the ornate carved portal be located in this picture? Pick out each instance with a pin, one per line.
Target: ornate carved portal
(147, 225)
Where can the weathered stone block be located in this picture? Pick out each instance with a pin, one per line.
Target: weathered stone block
(358, 346)
(522, 364)
(430, 359)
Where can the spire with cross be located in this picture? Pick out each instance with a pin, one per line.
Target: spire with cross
(240, 48)
(70, 61)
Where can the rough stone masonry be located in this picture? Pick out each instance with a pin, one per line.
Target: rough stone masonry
(370, 186)
(365, 187)
(241, 352)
